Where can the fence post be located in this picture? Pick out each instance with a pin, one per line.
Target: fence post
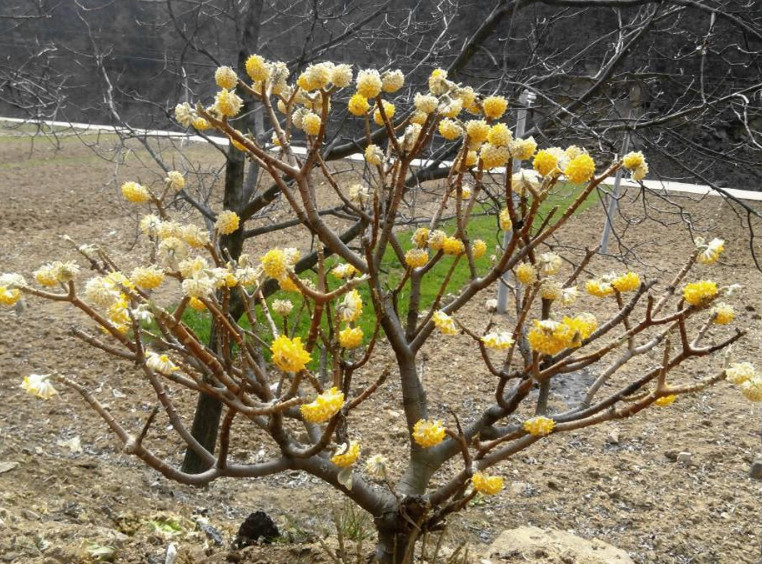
(526, 99)
(636, 98)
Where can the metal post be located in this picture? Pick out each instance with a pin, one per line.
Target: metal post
(613, 199)
(637, 96)
(526, 99)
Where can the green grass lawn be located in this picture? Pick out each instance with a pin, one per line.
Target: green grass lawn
(480, 227)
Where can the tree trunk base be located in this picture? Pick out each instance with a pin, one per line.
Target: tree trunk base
(206, 421)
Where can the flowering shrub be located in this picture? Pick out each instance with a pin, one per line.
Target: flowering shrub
(550, 334)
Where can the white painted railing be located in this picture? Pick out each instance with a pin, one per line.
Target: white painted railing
(665, 185)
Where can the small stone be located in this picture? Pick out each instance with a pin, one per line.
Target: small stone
(756, 469)
(684, 457)
(6, 466)
(519, 488)
(171, 555)
(29, 514)
(613, 437)
(671, 454)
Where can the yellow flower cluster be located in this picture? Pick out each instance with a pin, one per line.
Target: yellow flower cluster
(369, 83)
(282, 307)
(56, 272)
(499, 135)
(9, 288)
(550, 337)
(288, 285)
(700, 293)
(118, 313)
(449, 129)
(201, 124)
(494, 106)
(633, 160)
(752, 389)
(416, 258)
(391, 81)
(493, 157)
(227, 222)
(468, 160)
(499, 341)
(599, 288)
(421, 237)
(289, 354)
(545, 162)
(160, 363)
(722, 314)
(274, 263)
(425, 103)
(437, 239)
(523, 149)
(505, 220)
(350, 309)
(257, 68)
(582, 326)
(452, 109)
(739, 372)
(311, 123)
(665, 401)
(477, 130)
(550, 290)
(580, 169)
(350, 337)
(196, 304)
(485, 484)
(175, 180)
(636, 163)
(428, 432)
(453, 246)
(39, 385)
(228, 103)
(325, 406)
(479, 248)
(343, 271)
(346, 455)
(710, 252)
(374, 155)
(389, 110)
(9, 296)
(438, 83)
(226, 78)
(539, 426)
(526, 273)
(194, 236)
(550, 263)
(135, 193)
(628, 282)
(315, 77)
(444, 323)
(358, 105)
(418, 118)
(148, 277)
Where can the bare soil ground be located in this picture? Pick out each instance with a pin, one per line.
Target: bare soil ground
(620, 482)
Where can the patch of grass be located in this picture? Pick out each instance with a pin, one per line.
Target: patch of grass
(481, 227)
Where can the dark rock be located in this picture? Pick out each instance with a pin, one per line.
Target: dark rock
(211, 533)
(756, 469)
(257, 526)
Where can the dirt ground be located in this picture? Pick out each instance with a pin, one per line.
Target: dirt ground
(621, 483)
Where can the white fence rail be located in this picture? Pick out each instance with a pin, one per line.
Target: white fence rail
(667, 186)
